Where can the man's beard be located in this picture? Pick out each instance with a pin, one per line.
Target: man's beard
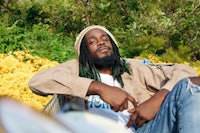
(105, 62)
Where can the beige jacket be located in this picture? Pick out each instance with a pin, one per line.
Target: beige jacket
(144, 82)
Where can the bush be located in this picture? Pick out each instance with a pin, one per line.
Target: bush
(148, 43)
(46, 44)
(40, 40)
(11, 39)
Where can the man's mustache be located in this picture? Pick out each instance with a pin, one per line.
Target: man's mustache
(102, 47)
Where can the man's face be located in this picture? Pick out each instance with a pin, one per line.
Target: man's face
(99, 44)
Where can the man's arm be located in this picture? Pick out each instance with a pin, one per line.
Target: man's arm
(60, 79)
(64, 79)
(147, 110)
(116, 97)
(163, 79)
(157, 77)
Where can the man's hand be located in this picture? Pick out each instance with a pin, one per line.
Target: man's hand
(143, 113)
(147, 110)
(116, 97)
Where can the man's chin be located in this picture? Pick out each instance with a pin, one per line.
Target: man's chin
(104, 55)
(104, 61)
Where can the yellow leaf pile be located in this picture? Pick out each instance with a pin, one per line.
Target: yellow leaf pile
(15, 71)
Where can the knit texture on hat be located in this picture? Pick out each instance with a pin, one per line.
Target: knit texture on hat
(84, 31)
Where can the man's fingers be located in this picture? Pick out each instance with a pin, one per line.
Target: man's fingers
(117, 108)
(132, 120)
(132, 99)
(121, 108)
(124, 105)
(114, 108)
(139, 122)
(131, 110)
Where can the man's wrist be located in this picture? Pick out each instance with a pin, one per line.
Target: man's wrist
(94, 88)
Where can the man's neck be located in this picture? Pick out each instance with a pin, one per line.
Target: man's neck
(105, 71)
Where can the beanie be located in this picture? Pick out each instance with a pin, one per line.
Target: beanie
(84, 31)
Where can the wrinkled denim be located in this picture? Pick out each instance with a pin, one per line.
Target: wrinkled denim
(179, 113)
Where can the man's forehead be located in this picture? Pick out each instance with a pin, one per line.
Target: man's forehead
(94, 32)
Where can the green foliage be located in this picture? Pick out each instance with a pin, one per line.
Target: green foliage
(173, 55)
(169, 29)
(48, 45)
(41, 41)
(11, 39)
(35, 15)
(154, 45)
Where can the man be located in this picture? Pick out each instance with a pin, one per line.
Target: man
(146, 98)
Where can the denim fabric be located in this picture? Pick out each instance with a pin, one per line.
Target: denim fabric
(180, 112)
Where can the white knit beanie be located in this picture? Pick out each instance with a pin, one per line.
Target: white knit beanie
(84, 31)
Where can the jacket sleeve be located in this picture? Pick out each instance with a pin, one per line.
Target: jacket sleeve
(61, 79)
(178, 72)
(157, 77)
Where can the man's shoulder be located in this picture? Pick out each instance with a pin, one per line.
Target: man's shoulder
(138, 61)
(130, 60)
(71, 61)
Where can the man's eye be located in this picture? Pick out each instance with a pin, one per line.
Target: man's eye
(105, 39)
(92, 42)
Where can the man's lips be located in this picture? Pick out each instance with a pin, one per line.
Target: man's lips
(103, 48)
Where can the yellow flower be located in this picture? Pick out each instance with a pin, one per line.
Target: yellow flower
(15, 74)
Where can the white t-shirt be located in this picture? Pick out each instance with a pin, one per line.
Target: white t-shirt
(98, 106)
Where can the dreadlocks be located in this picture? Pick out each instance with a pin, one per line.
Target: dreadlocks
(87, 67)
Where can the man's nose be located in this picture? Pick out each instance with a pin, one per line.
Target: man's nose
(101, 42)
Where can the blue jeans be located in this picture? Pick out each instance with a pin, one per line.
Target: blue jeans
(179, 113)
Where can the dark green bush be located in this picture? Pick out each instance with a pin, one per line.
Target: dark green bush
(46, 44)
(48, 28)
(11, 39)
(40, 40)
(150, 43)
